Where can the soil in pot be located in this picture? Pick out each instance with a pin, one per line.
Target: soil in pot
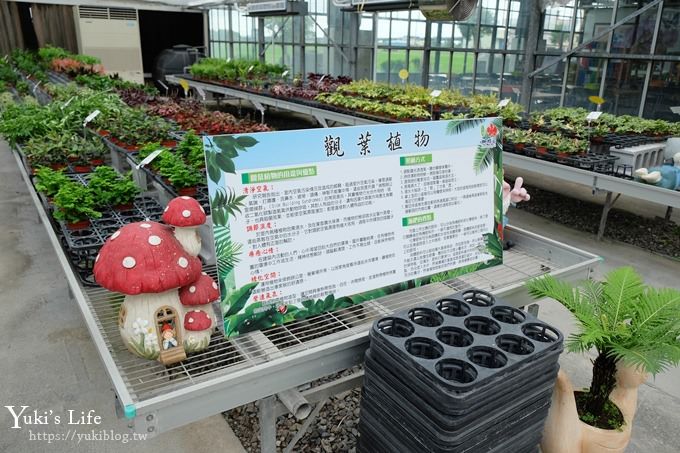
(187, 191)
(81, 225)
(123, 207)
(542, 150)
(82, 168)
(519, 147)
(611, 418)
(97, 162)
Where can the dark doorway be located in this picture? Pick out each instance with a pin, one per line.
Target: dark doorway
(163, 29)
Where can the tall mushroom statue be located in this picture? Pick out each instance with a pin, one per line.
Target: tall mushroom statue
(198, 314)
(186, 215)
(145, 261)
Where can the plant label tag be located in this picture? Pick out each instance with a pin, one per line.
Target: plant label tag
(185, 86)
(503, 103)
(147, 160)
(35, 87)
(676, 110)
(322, 77)
(201, 92)
(593, 116)
(90, 117)
(285, 73)
(67, 103)
(252, 66)
(436, 93)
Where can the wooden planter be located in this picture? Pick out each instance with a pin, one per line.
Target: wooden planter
(565, 433)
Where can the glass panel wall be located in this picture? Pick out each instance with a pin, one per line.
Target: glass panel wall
(485, 53)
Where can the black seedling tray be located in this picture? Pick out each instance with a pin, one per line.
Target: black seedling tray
(451, 414)
(465, 340)
(445, 427)
(94, 236)
(201, 194)
(403, 437)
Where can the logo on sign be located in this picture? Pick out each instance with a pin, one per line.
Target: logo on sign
(488, 142)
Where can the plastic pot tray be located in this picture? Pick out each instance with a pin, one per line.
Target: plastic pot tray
(465, 340)
(453, 415)
(428, 421)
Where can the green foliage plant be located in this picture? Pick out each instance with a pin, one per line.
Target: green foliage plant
(624, 321)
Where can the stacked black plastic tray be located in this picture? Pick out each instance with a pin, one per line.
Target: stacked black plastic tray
(462, 374)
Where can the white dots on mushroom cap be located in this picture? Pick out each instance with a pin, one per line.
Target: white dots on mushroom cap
(192, 289)
(145, 225)
(129, 262)
(184, 197)
(115, 235)
(191, 320)
(97, 258)
(183, 262)
(186, 213)
(214, 285)
(203, 273)
(166, 209)
(154, 240)
(201, 208)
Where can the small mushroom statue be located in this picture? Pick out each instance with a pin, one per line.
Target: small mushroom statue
(164, 286)
(666, 176)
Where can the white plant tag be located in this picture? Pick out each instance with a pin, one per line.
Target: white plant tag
(322, 77)
(90, 117)
(35, 87)
(593, 116)
(251, 67)
(503, 103)
(147, 160)
(200, 92)
(285, 73)
(436, 93)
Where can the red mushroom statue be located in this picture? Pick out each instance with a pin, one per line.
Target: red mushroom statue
(186, 215)
(193, 297)
(145, 261)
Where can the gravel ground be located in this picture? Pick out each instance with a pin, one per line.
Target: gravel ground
(336, 429)
(656, 235)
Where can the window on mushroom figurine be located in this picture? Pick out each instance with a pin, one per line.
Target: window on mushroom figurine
(121, 316)
(166, 324)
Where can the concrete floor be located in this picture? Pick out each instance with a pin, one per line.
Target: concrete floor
(49, 363)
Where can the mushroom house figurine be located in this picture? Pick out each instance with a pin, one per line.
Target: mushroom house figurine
(186, 215)
(167, 311)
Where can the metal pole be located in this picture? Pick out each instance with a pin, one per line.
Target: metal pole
(303, 57)
(375, 47)
(652, 50)
(260, 38)
(534, 23)
(425, 74)
(478, 33)
(565, 74)
(612, 20)
(267, 418)
(231, 34)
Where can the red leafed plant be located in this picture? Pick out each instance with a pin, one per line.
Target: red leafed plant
(74, 67)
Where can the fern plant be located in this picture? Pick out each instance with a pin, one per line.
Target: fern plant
(624, 320)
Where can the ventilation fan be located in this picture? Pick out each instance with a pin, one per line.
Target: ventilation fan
(440, 10)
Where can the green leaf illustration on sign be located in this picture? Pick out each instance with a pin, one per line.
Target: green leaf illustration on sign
(456, 127)
(483, 159)
(237, 300)
(225, 203)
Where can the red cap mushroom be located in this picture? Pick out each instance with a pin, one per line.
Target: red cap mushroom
(144, 257)
(197, 320)
(201, 292)
(184, 212)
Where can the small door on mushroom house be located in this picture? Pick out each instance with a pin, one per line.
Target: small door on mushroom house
(169, 336)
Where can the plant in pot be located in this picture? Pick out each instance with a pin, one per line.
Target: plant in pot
(520, 138)
(598, 132)
(49, 181)
(543, 142)
(75, 206)
(108, 188)
(185, 179)
(634, 330)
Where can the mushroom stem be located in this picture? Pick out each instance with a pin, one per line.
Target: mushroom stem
(190, 239)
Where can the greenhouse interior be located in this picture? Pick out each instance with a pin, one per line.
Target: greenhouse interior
(176, 196)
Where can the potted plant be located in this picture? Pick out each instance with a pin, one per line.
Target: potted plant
(543, 142)
(634, 329)
(49, 181)
(519, 138)
(185, 179)
(108, 188)
(598, 132)
(75, 206)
